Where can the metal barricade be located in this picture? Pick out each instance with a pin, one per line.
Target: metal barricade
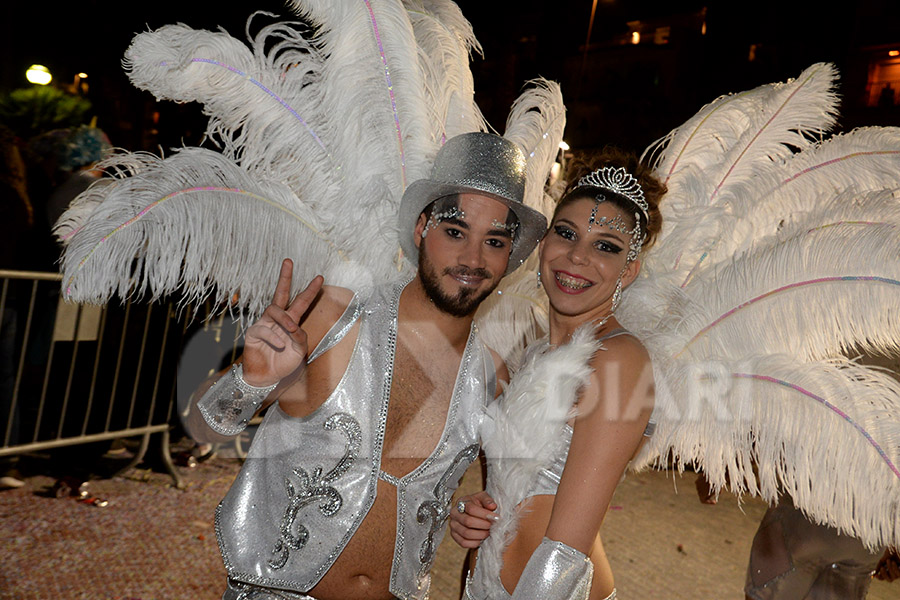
(75, 374)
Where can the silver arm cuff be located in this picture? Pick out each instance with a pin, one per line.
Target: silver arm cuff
(555, 571)
(231, 402)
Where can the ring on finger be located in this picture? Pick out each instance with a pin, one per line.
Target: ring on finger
(461, 506)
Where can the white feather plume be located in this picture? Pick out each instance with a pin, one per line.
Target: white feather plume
(446, 42)
(326, 120)
(712, 164)
(817, 294)
(527, 430)
(824, 432)
(779, 258)
(536, 122)
(233, 230)
(862, 160)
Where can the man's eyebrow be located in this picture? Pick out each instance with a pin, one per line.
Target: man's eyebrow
(456, 221)
(501, 231)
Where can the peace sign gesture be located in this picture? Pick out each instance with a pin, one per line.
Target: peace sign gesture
(275, 346)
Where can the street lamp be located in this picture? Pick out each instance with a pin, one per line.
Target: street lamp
(38, 75)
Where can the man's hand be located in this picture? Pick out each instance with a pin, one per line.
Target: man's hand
(276, 346)
(888, 568)
(472, 527)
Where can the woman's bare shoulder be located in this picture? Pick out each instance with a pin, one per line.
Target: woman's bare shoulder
(624, 348)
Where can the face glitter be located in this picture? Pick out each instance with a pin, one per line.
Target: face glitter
(511, 228)
(593, 217)
(435, 219)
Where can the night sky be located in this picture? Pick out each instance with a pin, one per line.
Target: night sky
(526, 39)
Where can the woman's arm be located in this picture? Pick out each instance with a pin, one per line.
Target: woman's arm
(613, 413)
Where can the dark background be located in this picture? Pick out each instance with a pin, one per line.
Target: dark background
(615, 93)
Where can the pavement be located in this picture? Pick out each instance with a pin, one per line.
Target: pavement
(137, 537)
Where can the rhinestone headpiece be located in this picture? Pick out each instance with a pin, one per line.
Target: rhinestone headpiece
(619, 181)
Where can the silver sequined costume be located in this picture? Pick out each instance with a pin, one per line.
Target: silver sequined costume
(308, 482)
(527, 462)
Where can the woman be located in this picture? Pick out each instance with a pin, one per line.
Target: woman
(573, 416)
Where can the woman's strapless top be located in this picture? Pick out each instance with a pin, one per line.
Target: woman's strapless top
(547, 480)
(548, 477)
(527, 440)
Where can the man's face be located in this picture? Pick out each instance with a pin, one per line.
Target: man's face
(464, 253)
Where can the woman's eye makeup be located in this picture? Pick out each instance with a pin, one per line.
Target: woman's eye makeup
(604, 246)
(565, 232)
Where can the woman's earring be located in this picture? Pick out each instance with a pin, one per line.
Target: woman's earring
(539, 279)
(617, 296)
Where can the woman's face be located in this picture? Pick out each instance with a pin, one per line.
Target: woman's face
(582, 256)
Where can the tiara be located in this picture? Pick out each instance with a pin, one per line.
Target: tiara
(620, 181)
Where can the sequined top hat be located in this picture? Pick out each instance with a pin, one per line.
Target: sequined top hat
(478, 163)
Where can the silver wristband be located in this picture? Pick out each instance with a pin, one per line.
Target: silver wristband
(231, 402)
(555, 571)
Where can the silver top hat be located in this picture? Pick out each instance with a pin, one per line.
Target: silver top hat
(475, 163)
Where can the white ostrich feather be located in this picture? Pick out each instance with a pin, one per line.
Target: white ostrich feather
(713, 190)
(536, 122)
(265, 108)
(446, 42)
(326, 128)
(825, 432)
(862, 160)
(814, 295)
(779, 258)
(158, 233)
(373, 85)
(527, 429)
(838, 171)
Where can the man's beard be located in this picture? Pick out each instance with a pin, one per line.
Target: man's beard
(465, 302)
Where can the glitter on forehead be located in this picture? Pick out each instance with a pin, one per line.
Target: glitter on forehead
(435, 219)
(512, 228)
(593, 218)
(617, 223)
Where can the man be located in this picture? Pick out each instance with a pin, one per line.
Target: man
(345, 491)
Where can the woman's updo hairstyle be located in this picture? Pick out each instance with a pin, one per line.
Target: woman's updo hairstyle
(610, 156)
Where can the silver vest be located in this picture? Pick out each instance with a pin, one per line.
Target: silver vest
(309, 482)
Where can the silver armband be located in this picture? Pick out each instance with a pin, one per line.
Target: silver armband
(555, 571)
(231, 402)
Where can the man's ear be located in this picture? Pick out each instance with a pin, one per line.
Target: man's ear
(421, 224)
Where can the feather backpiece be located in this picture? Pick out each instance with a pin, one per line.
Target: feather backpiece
(777, 267)
(318, 124)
